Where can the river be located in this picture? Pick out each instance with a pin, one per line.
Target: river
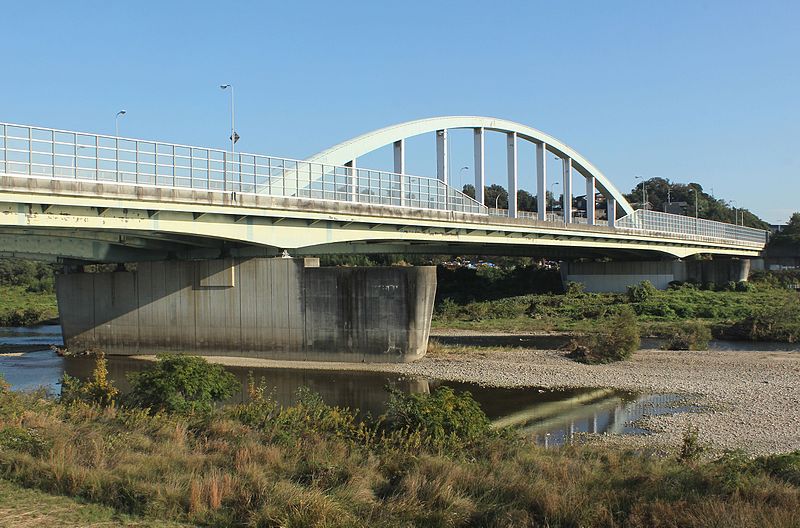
(551, 416)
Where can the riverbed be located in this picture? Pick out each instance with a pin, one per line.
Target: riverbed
(737, 398)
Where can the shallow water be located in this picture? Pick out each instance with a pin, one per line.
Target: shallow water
(551, 416)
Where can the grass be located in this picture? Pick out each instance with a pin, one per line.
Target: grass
(19, 307)
(259, 464)
(28, 508)
(658, 314)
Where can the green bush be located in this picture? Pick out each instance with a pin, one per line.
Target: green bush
(780, 322)
(641, 292)
(98, 390)
(692, 448)
(575, 289)
(784, 466)
(616, 340)
(443, 420)
(25, 440)
(182, 384)
(691, 335)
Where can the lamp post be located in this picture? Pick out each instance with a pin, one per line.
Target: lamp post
(116, 121)
(643, 196)
(233, 134)
(462, 169)
(692, 189)
(696, 215)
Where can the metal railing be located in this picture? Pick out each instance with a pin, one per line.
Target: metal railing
(62, 154)
(554, 218)
(691, 228)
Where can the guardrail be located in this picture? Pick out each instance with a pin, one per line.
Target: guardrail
(63, 154)
(692, 228)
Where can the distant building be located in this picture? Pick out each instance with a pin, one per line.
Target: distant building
(676, 208)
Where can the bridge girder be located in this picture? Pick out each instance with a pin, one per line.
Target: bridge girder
(208, 223)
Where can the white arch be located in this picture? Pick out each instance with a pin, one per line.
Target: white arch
(352, 149)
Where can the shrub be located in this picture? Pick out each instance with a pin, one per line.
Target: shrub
(575, 289)
(98, 390)
(25, 440)
(691, 448)
(183, 384)
(691, 335)
(448, 309)
(443, 420)
(784, 466)
(776, 323)
(617, 339)
(641, 292)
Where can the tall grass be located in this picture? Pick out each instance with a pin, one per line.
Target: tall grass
(260, 464)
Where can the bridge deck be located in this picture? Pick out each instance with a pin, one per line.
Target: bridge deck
(54, 181)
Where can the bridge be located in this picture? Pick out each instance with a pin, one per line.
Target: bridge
(95, 198)
(200, 224)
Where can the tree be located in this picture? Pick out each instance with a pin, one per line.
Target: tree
(790, 236)
(496, 194)
(183, 384)
(469, 190)
(525, 201)
(660, 191)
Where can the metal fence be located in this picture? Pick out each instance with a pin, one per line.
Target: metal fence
(688, 227)
(50, 153)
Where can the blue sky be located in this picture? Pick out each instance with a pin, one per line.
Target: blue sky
(702, 91)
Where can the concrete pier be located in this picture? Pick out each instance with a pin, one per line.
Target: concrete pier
(616, 276)
(271, 308)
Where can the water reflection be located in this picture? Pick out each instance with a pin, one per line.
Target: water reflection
(553, 417)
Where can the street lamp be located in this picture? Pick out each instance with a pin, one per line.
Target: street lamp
(233, 118)
(692, 189)
(644, 199)
(462, 169)
(116, 121)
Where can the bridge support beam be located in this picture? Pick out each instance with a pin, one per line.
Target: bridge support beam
(611, 211)
(541, 180)
(274, 308)
(480, 179)
(566, 164)
(441, 156)
(400, 156)
(511, 142)
(353, 177)
(590, 203)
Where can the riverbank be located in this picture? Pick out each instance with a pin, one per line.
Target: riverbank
(751, 399)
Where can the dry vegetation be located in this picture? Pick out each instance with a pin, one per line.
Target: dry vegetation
(432, 461)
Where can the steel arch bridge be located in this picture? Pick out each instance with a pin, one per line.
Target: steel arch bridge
(97, 198)
(347, 153)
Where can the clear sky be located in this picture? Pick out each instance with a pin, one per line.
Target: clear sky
(705, 91)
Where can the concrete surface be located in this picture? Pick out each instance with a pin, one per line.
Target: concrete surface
(272, 308)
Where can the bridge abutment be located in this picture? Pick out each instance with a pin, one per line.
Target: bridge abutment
(272, 308)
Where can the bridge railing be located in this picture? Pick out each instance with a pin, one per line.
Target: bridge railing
(689, 227)
(63, 154)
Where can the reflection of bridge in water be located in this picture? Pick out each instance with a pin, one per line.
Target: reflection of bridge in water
(599, 411)
(553, 417)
